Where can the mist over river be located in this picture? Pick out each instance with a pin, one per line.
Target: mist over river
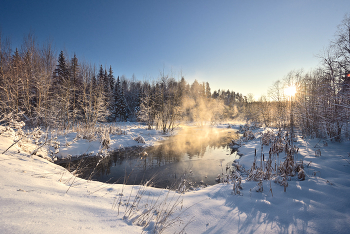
(196, 154)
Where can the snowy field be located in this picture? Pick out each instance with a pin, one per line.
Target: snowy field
(37, 196)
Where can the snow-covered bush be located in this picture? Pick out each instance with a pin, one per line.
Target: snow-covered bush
(267, 137)
(256, 175)
(92, 132)
(260, 187)
(182, 188)
(301, 174)
(237, 183)
(243, 128)
(248, 135)
(140, 139)
(105, 139)
(317, 153)
(6, 131)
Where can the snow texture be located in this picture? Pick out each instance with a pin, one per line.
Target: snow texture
(37, 196)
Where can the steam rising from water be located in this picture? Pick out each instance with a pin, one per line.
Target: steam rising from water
(195, 153)
(195, 140)
(202, 110)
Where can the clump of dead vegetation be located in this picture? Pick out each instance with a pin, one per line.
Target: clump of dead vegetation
(280, 165)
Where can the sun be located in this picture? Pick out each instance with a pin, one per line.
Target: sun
(290, 91)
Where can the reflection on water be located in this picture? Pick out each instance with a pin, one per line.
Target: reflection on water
(195, 154)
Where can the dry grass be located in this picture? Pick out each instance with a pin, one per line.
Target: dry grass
(270, 168)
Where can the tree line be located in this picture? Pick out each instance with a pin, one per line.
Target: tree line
(321, 105)
(45, 89)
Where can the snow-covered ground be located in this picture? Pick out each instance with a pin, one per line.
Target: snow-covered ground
(73, 145)
(37, 196)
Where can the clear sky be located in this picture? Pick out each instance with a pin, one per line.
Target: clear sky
(243, 46)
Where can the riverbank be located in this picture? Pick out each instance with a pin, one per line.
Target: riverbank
(37, 196)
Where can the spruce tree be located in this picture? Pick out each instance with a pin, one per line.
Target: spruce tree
(75, 85)
(109, 93)
(61, 74)
(117, 99)
(106, 85)
(123, 106)
(101, 79)
(61, 90)
(111, 78)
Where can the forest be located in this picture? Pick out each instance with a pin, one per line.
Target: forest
(48, 89)
(44, 91)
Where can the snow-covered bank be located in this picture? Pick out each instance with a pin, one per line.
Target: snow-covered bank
(37, 196)
(34, 198)
(129, 132)
(319, 204)
(81, 140)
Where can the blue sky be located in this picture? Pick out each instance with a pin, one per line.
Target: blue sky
(243, 46)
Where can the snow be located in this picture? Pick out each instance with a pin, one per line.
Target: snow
(37, 196)
(77, 147)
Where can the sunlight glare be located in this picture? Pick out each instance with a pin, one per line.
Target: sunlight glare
(290, 91)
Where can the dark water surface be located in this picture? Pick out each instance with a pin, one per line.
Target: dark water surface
(195, 154)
